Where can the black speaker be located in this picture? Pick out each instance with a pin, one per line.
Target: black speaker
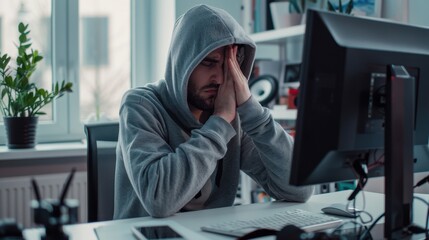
(264, 89)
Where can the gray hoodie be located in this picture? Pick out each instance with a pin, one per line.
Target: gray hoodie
(167, 161)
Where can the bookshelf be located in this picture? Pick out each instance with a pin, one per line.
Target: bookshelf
(281, 112)
(278, 36)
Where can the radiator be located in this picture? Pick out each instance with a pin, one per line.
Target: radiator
(16, 194)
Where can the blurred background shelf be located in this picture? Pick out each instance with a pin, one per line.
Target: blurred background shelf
(281, 112)
(278, 36)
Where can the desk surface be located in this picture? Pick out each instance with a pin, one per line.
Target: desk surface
(120, 229)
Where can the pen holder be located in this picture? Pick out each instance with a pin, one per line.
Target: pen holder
(53, 215)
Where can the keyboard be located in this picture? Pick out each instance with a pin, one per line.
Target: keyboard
(305, 220)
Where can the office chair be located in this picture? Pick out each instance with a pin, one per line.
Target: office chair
(101, 160)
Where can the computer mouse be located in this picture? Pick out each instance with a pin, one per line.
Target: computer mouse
(341, 210)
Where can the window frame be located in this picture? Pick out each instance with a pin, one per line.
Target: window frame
(148, 53)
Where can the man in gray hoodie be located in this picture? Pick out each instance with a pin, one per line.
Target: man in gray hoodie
(183, 140)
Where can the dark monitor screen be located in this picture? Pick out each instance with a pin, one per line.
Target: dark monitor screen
(341, 102)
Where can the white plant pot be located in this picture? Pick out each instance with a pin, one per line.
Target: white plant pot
(281, 16)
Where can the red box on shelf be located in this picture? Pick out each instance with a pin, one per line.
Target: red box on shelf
(292, 98)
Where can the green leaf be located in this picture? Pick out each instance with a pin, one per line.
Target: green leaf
(331, 7)
(21, 50)
(349, 7)
(26, 46)
(22, 38)
(3, 58)
(9, 81)
(68, 87)
(4, 92)
(4, 61)
(294, 7)
(21, 27)
(38, 58)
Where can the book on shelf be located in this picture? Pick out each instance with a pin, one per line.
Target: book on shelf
(256, 15)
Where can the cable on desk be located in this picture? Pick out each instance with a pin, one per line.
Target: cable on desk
(355, 213)
(378, 161)
(361, 173)
(338, 229)
(371, 227)
(360, 169)
(368, 214)
(359, 214)
(422, 181)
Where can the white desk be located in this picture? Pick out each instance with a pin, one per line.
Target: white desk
(194, 220)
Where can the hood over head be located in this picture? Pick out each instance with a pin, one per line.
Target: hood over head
(199, 31)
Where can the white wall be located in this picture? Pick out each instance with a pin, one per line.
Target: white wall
(407, 11)
(397, 10)
(377, 184)
(233, 7)
(419, 12)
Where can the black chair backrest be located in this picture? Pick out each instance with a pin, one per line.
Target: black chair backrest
(101, 160)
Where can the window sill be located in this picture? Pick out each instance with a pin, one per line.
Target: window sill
(45, 150)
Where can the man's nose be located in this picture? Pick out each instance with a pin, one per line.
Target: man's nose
(219, 75)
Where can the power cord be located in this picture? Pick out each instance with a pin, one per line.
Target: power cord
(422, 181)
(338, 230)
(365, 221)
(371, 227)
(363, 178)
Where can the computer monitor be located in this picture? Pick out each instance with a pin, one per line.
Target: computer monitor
(342, 101)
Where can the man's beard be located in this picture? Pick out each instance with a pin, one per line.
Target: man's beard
(204, 104)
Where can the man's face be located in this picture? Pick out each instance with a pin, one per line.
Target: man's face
(205, 80)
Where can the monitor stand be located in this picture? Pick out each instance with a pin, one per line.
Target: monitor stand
(399, 160)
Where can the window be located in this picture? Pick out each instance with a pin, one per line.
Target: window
(105, 69)
(0, 33)
(89, 43)
(95, 41)
(46, 33)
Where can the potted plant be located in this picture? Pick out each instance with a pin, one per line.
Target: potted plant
(341, 9)
(21, 101)
(286, 13)
(300, 6)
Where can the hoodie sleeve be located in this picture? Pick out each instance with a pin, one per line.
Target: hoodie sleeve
(267, 153)
(163, 178)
